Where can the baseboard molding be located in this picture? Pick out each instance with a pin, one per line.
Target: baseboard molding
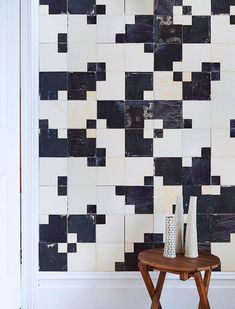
(127, 291)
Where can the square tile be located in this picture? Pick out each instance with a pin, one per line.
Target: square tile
(107, 254)
(108, 202)
(136, 226)
(79, 197)
(112, 231)
(84, 259)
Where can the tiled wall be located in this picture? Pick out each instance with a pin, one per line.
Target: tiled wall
(137, 106)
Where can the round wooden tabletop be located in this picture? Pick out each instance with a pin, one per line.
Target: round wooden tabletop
(155, 259)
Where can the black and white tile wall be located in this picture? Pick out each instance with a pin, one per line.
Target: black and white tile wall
(137, 106)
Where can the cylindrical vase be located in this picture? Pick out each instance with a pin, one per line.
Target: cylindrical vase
(169, 247)
(191, 245)
(179, 225)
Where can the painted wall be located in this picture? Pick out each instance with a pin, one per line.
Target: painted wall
(136, 107)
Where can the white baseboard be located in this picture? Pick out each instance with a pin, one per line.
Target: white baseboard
(127, 291)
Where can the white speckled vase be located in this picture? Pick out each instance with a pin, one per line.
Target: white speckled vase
(179, 225)
(169, 247)
(191, 245)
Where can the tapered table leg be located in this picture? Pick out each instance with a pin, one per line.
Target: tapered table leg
(158, 291)
(207, 278)
(204, 303)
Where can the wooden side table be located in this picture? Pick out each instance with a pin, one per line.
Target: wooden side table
(182, 266)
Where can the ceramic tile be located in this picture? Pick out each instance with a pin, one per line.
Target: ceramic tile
(79, 112)
(113, 7)
(112, 231)
(136, 226)
(78, 167)
(50, 169)
(113, 88)
(170, 145)
(194, 140)
(136, 169)
(79, 31)
(79, 197)
(106, 34)
(139, 7)
(136, 59)
(107, 255)
(50, 26)
(84, 259)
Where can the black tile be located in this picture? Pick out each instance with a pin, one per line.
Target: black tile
(136, 145)
(170, 112)
(62, 180)
(43, 124)
(206, 152)
(164, 7)
(136, 84)
(215, 76)
(100, 161)
(222, 226)
(219, 7)
(148, 180)
(113, 111)
(84, 226)
(148, 47)
(71, 248)
(91, 19)
(81, 6)
(91, 124)
(141, 31)
(199, 173)
(101, 152)
(79, 146)
(100, 9)
(91, 209)
(204, 202)
(166, 32)
(137, 112)
(170, 169)
(187, 10)
(62, 48)
(55, 6)
(50, 145)
(91, 162)
(120, 190)
(79, 83)
(62, 37)
(55, 231)
(50, 83)
(120, 38)
(199, 32)
(62, 191)
(158, 133)
(50, 259)
(177, 76)
(199, 88)
(188, 123)
(225, 202)
(204, 228)
(215, 180)
(100, 219)
(232, 128)
(165, 55)
(141, 197)
(153, 238)
(232, 20)
(100, 76)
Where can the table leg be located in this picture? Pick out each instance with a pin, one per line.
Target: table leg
(207, 278)
(158, 291)
(149, 283)
(204, 303)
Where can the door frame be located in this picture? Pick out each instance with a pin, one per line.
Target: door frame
(29, 25)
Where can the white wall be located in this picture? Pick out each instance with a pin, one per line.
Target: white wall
(115, 291)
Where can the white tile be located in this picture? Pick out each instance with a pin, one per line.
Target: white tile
(113, 55)
(226, 252)
(148, 133)
(187, 76)
(112, 231)
(91, 95)
(199, 52)
(225, 168)
(139, 7)
(178, 10)
(187, 162)
(50, 60)
(136, 226)
(187, 20)
(206, 190)
(91, 133)
(72, 238)
(164, 198)
(223, 53)
(129, 19)
(113, 173)
(50, 202)
(194, 140)
(79, 197)
(107, 34)
(108, 202)
(79, 31)
(79, 174)
(223, 90)
(221, 30)
(232, 9)
(136, 168)
(62, 133)
(158, 180)
(84, 259)
(165, 88)
(101, 123)
(62, 248)
(222, 144)
(199, 112)
(50, 169)
(215, 190)
(43, 219)
(177, 66)
(130, 209)
(129, 247)
(148, 95)
(107, 255)
(44, 9)
(113, 88)
(113, 7)
(199, 7)
(170, 145)
(79, 112)
(136, 59)
(159, 223)
(113, 140)
(50, 26)
(148, 123)
(62, 95)
(55, 112)
(158, 123)
(79, 54)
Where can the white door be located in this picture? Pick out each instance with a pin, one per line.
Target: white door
(9, 156)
